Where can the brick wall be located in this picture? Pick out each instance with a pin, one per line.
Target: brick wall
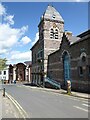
(55, 64)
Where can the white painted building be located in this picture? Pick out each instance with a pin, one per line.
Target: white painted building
(28, 71)
(4, 74)
(14, 72)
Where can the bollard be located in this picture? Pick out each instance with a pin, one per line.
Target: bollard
(69, 87)
(4, 92)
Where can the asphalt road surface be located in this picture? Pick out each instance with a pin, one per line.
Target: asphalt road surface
(42, 104)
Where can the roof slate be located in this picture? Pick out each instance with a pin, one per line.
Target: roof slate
(52, 13)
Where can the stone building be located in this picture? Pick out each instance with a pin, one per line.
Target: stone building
(58, 56)
(17, 72)
(20, 72)
(10, 73)
(51, 28)
(72, 62)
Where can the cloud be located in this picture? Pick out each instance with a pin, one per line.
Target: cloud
(9, 19)
(36, 38)
(10, 36)
(70, 0)
(3, 51)
(78, 0)
(2, 10)
(17, 56)
(25, 40)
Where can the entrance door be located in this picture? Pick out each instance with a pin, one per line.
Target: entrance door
(66, 65)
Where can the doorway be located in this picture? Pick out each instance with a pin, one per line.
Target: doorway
(66, 67)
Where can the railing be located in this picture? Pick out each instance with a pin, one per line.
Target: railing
(53, 82)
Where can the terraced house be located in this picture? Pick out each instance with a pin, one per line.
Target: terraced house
(59, 55)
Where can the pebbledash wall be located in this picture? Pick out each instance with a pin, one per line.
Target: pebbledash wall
(72, 62)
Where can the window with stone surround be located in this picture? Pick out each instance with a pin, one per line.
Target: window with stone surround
(40, 54)
(83, 57)
(0, 72)
(35, 58)
(81, 71)
(4, 72)
(54, 33)
(89, 70)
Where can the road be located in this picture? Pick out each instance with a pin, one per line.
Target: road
(42, 104)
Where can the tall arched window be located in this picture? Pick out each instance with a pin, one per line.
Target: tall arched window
(82, 64)
(52, 33)
(56, 34)
(66, 66)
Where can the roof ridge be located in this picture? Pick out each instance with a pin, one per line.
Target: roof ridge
(50, 12)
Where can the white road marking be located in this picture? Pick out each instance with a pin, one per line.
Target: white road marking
(81, 108)
(73, 98)
(78, 99)
(86, 102)
(19, 86)
(21, 110)
(86, 105)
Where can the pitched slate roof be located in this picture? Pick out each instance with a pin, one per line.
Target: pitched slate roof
(28, 62)
(80, 37)
(52, 13)
(73, 39)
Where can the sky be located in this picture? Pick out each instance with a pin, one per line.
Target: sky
(19, 25)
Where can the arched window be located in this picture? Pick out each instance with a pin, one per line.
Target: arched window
(56, 34)
(66, 66)
(52, 33)
(89, 70)
(82, 62)
(83, 57)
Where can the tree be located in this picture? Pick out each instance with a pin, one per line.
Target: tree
(2, 63)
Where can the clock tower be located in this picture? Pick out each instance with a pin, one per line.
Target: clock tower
(51, 28)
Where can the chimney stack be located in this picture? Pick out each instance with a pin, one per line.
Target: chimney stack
(68, 34)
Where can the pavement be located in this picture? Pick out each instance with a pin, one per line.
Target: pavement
(11, 110)
(62, 91)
